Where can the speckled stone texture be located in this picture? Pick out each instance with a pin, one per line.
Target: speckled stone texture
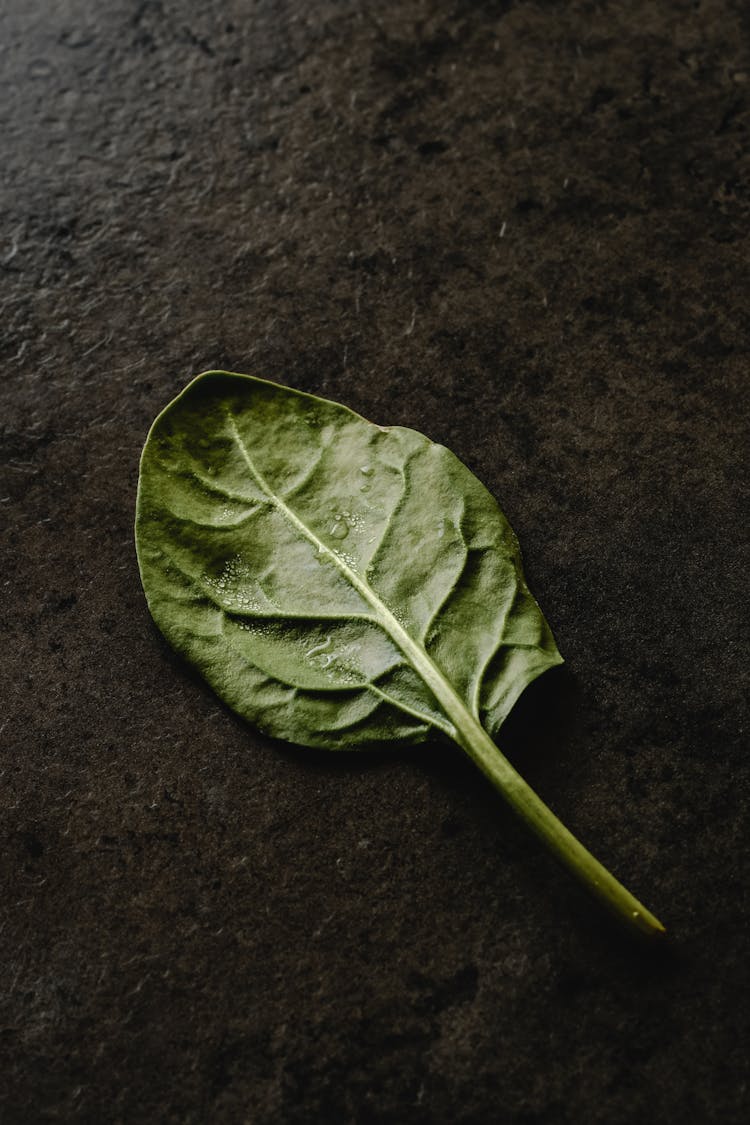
(521, 228)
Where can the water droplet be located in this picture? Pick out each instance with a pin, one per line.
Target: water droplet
(316, 649)
(340, 528)
(349, 559)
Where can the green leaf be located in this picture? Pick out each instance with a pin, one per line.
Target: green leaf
(337, 583)
(286, 545)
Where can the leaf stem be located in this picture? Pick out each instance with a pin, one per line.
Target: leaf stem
(562, 843)
(472, 737)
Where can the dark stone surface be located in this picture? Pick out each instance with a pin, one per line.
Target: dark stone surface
(521, 228)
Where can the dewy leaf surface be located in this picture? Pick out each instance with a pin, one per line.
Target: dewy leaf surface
(342, 584)
(326, 575)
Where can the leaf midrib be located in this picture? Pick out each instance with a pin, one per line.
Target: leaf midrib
(462, 722)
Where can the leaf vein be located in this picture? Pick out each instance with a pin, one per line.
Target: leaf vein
(430, 720)
(452, 588)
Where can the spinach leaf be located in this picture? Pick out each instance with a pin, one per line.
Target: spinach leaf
(341, 584)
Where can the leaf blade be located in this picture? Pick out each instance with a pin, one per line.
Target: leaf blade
(319, 509)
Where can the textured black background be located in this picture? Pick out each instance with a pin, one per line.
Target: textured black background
(521, 228)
